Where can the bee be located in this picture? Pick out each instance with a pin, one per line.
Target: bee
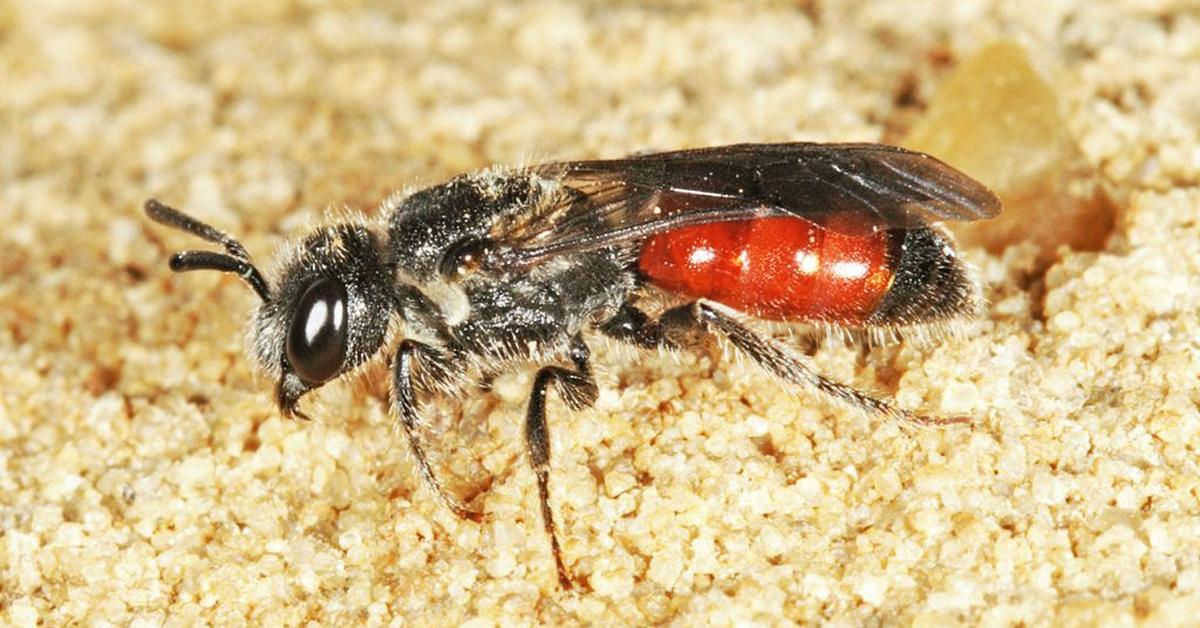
(519, 266)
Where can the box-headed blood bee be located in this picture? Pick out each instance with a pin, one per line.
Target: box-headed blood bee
(502, 267)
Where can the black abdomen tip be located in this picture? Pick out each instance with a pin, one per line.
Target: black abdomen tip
(931, 283)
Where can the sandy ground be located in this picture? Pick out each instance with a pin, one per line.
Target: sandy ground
(147, 478)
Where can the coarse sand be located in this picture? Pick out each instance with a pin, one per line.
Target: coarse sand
(146, 477)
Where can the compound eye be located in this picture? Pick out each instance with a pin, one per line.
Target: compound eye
(316, 343)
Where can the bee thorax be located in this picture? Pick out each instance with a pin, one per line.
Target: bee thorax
(450, 299)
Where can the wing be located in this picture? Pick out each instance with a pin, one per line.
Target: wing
(612, 202)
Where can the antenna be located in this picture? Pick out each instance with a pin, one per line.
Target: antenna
(235, 260)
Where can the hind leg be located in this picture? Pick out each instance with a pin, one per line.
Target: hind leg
(688, 325)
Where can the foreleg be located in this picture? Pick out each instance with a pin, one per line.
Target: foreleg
(404, 402)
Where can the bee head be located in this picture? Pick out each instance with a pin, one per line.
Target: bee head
(326, 314)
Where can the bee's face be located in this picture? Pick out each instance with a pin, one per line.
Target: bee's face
(328, 314)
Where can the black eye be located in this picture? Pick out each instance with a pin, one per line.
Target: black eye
(316, 343)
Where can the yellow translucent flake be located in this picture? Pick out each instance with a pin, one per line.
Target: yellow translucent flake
(1000, 120)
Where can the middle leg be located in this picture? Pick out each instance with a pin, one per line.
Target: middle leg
(578, 390)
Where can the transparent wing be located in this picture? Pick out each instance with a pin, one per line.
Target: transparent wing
(850, 188)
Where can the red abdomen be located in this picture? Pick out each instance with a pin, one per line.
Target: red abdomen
(781, 267)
